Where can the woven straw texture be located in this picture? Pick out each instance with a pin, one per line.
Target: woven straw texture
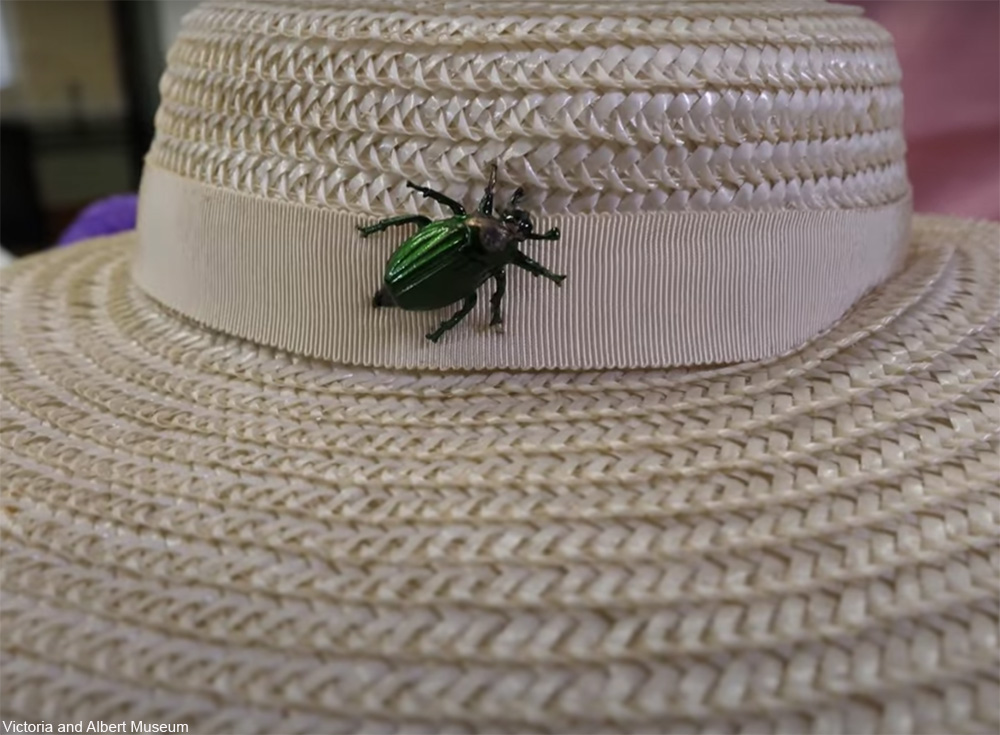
(595, 107)
(200, 530)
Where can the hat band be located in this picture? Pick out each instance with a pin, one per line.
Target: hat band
(654, 289)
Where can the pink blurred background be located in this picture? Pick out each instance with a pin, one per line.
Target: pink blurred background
(950, 54)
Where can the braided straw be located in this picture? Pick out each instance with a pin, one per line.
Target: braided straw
(622, 121)
(596, 107)
(204, 531)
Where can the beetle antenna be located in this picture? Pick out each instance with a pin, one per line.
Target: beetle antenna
(486, 204)
(516, 197)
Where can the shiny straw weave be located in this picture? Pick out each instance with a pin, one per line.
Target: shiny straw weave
(624, 122)
(595, 106)
(200, 530)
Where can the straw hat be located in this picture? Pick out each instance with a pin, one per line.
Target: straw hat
(738, 474)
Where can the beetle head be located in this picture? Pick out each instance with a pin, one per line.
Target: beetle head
(518, 222)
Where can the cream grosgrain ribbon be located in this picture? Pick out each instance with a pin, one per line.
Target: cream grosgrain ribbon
(656, 289)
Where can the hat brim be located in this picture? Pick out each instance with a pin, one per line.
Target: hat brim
(203, 531)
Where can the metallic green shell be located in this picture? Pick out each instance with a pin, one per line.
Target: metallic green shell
(427, 250)
(433, 267)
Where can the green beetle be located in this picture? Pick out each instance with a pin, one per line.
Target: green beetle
(446, 261)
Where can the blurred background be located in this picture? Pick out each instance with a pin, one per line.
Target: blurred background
(78, 90)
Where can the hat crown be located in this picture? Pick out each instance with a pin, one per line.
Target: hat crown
(592, 107)
(725, 179)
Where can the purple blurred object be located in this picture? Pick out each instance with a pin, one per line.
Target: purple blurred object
(105, 217)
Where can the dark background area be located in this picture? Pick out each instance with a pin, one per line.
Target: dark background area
(78, 95)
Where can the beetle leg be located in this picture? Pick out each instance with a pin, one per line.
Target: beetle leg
(486, 203)
(500, 277)
(536, 269)
(385, 224)
(552, 234)
(382, 298)
(437, 196)
(517, 196)
(467, 306)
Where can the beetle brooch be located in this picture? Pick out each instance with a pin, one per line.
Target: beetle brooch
(446, 261)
